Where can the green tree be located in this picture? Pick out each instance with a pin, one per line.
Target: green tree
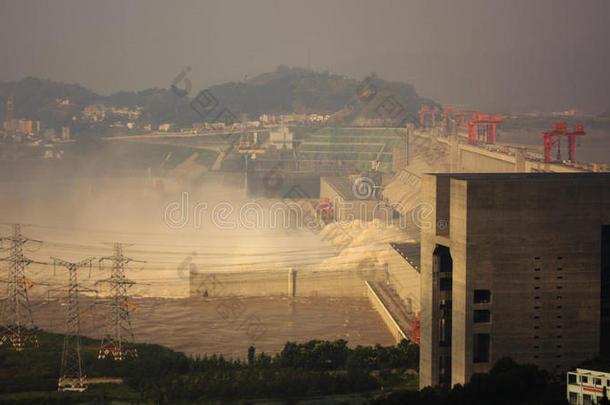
(251, 354)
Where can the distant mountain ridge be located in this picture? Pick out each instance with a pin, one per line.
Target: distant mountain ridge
(285, 90)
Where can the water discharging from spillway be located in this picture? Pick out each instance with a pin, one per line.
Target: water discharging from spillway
(78, 218)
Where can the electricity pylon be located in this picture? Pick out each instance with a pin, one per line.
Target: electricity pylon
(72, 377)
(18, 325)
(118, 340)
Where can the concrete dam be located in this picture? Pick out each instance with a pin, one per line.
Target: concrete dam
(393, 286)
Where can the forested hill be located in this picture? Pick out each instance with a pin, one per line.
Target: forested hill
(286, 90)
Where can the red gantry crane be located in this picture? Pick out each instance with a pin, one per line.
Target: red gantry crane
(560, 129)
(488, 122)
(435, 112)
(424, 112)
(451, 122)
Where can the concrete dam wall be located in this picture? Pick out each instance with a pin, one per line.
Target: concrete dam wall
(295, 283)
(398, 274)
(479, 160)
(466, 158)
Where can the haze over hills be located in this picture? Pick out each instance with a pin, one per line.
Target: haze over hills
(285, 90)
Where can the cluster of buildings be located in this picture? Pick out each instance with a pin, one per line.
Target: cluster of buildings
(199, 127)
(264, 120)
(116, 116)
(294, 118)
(24, 130)
(124, 117)
(30, 131)
(22, 127)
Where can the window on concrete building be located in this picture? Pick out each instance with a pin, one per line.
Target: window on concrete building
(445, 284)
(584, 379)
(481, 315)
(481, 348)
(445, 261)
(571, 378)
(482, 296)
(597, 381)
(445, 333)
(586, 399)
(445, 324)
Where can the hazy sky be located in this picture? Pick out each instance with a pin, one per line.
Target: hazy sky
(494, 55)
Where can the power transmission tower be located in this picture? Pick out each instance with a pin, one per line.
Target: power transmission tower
(118, 340)
(17, 314)
(72, 377)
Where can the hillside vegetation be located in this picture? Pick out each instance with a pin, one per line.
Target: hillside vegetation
(286, 90)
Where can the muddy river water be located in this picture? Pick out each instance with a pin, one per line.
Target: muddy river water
(230, 326)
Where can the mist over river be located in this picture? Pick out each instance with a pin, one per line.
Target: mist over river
(77, 215)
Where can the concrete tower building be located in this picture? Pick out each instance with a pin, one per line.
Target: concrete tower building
(514, 264)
